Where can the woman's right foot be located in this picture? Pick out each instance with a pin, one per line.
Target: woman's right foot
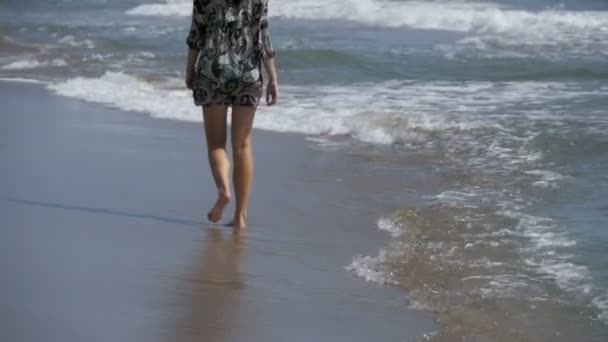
(215, 214)
(239, 222)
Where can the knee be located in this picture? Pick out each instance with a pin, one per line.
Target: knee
(216, 145)
(241, 147)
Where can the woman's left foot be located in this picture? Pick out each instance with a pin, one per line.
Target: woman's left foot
(215, 214)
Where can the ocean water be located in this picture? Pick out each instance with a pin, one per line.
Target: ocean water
(507, 101)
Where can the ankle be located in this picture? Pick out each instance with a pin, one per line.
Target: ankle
(223, 193)
(240, 216)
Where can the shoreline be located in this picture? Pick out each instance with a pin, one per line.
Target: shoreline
(122, 199)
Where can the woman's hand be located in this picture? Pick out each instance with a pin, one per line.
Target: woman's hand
(190, 78)
(272, 89)
(272, 93)
(190, 68)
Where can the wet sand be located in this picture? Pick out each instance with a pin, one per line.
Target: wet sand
(104, 236)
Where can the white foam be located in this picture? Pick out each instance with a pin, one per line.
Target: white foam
(545, 255)
(457, 199)
(130, 93)
(326, 142)
(298, 111)
(495, 28)
(411, 113)
(71, 41)
(417, 305)
(452, 16)
(370, 269)
(545, 245)
(431, 107)
(169, 8)
(22, 64)
(601, 303)
(33, 63)
(98, 57)
(568, 276)
(547, 178)
(521, 25)
(430, 335)
(146, 54)
(22, 80)
(391, 225)
(504, 285)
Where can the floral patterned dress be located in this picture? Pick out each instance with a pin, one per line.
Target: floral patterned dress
(232, 38)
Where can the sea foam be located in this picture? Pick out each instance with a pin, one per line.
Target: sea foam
(371, 269)
(169, 8)
(411, 112)
(33, 63)
(391, 225)
(601, 303)
(452, 16)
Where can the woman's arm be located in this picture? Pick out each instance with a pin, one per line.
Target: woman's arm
(195, 42)
(190, 66)
(272, 90)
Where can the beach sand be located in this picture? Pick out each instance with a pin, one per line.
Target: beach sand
(104, 236)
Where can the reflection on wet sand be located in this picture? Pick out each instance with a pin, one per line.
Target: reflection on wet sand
(211, 292)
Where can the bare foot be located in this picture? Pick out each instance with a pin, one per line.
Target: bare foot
(239, 222)
(215, 214)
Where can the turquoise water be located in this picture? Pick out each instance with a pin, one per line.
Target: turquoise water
(508, 100)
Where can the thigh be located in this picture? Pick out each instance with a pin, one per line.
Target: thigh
(214, 117)
(241, 126)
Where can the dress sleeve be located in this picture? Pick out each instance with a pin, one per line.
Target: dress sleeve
(196, 37)
(267, 50)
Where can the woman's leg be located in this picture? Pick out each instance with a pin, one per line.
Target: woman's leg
(242, 121)
(215, 133)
